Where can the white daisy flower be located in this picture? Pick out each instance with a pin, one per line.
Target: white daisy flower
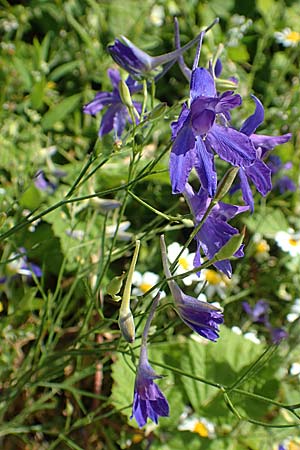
(216, 283)
(157, 15)
(261, 248)
(295, 369)
(250, 335)
(144, 282)
(295, 311)
(199, 425)
(289, 242)
(185, 262)
(122, 234)
(287, 37)
(237, 330)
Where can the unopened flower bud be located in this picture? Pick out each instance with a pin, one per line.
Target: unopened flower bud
(231, 247)
(126, 322)
(158, 111)
(125, 94)
(126, 325)
(223, 84)
(226, 183)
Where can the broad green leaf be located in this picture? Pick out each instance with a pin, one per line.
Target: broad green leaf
(268, 9)
(60, 112)
(220, 362)
(123, 376)
(45, 248)
(30, 302)
(239, 54)
(222, 8)
(268, 222)
(31, 198)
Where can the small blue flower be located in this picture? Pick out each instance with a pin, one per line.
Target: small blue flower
(148, 400)
(116, 115)
(259, 313)
(200, 316)
(215, 231)
(277, 335)
(283, 183)
(19, 265)
(43, 184)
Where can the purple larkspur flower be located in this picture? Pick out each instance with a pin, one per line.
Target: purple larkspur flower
(20, 265)
(258, 172)
(277, 335)
(259, 313)
(139, 63)
(197, 133)
(215, 231)
(116, 115)
(200, 316)
(42, 183)
(283, 183)
(149, 401)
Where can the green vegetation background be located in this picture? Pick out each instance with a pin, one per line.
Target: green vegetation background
(59, 334)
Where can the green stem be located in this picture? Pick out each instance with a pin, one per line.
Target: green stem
(192, 235)
(125, 305)
(151, 208)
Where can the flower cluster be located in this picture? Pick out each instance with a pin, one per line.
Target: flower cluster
(202, 134)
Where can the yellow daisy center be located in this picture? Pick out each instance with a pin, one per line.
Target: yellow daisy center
(145, 287)
(262, 247)
(51, 85)
(293, 36)
(293, 446)
(137, 438)
(183, 262)
(1, 307)
(212, 277)
(201, 429)
(293, 242)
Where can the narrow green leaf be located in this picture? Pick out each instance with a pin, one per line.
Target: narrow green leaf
(60, 112)
(63, 69)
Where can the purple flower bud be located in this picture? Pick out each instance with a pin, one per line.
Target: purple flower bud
(148, 400)
(201, 317)
(137, 62)
(278, 334)
(218, 68)
(259, 313)
(41, 182)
